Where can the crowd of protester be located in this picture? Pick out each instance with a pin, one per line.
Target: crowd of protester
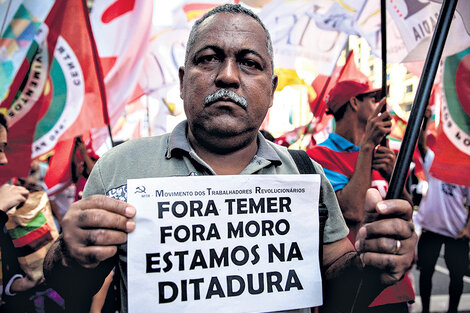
(353, 160)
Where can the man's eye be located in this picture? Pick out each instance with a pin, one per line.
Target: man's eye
(208, 59)
(250, 63)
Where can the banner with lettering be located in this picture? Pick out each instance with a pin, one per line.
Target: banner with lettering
(244, 243)
(410, 26)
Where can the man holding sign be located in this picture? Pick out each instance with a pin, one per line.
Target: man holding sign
(227, 85)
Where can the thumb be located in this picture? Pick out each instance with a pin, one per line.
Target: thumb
(372, 198)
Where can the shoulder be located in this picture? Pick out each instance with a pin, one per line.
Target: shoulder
(136, 149)
(144, 143)
(133, 159)
(281, 151)
(319, 149)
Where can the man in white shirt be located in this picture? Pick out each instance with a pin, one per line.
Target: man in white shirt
(443, 217)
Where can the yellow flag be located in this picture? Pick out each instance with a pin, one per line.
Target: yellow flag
(288, 77)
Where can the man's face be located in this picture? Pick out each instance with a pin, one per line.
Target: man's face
(366, 108)
(229, 53)
(3, 144)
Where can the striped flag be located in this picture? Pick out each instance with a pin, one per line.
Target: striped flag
(32, 230)
(25, 107)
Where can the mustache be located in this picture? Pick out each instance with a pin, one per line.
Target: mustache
(224, 94)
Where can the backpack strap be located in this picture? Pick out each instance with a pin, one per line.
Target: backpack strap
(303, 161)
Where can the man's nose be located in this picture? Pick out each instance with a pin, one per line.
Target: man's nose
(228, 75)
(3, 158)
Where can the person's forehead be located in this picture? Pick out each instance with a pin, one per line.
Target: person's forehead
(221, 28)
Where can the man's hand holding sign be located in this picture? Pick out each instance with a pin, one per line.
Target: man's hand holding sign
(227, 85)
(95, 227)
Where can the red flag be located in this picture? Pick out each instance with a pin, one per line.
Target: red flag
(452, 147)
(78, 90)
(288, 138)
(20, 137)
(61, 175)
(323, 84)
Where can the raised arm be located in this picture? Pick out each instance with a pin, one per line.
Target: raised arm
(351, 197)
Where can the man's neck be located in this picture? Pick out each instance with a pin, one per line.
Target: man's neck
(350, 130)
(231, 163)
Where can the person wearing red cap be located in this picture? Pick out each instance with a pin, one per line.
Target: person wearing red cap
(354, 161)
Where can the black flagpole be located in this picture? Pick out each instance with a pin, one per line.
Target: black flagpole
(421, 99)
(383, 34)
(415, 121)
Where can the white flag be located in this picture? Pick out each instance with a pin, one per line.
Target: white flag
(310, 31)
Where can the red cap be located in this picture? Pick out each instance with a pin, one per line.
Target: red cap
(344, 90)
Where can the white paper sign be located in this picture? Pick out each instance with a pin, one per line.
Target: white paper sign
(243, 243)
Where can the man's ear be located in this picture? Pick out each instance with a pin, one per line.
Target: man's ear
(181, 76)
(274, 83)
(353, 103)
(274, 86)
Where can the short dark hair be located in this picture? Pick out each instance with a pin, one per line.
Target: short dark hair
(3, 121)
(339, 114)
(232, 9)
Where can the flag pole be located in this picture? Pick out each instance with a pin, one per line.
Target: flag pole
(383, 34)
(421, 99)
(415, 121)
